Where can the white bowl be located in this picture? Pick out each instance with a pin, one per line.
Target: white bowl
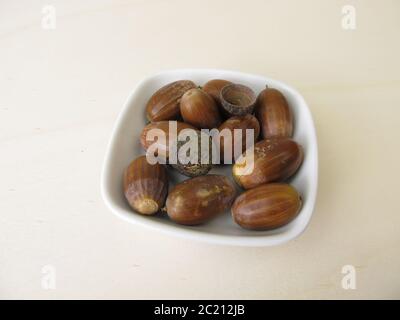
(124, 146)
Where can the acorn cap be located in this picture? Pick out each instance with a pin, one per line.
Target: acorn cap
(238, 99)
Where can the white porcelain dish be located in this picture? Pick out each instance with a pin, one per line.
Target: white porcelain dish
(124, 146)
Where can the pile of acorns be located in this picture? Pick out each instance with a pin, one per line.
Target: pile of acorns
(266, 203)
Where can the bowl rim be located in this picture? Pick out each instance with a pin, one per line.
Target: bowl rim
(192, 233)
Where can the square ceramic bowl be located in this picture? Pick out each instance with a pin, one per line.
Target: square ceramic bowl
(124, 146)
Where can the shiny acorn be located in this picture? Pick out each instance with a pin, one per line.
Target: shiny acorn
(145, 186)
(214, 87)
(162, 145)
(199, 109)
(197, 200)
(164, 103)
(267, 206)
(274, 114)
(241, 123)
(275, 159)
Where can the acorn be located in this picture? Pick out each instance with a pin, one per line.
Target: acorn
(161, 145)
(237, 99)
(275, 159)
(145, 186)
(267, 206)
(194, 154)
(164, 103)
(274, 114)
(232, 143)
(197, 200)
(214, 87)
(199, 109)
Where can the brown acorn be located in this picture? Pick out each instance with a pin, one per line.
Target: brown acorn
(164, 103)
(199, 109)
(237, 99)
(274, 114)
(145, 186)
(162, 145)
(214, 87)
(197, 200)
(241, 123)
(275, 159)
(267, 206)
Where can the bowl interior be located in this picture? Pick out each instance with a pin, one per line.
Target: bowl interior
(124, 147)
